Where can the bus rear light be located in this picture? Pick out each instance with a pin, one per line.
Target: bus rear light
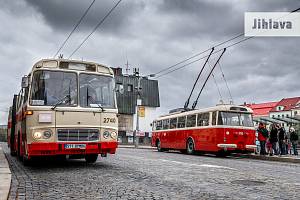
(29, 112)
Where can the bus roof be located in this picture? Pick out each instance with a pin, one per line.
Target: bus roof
(223, 107)
(73, 65)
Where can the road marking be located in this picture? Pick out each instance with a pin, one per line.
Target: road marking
(181, 163)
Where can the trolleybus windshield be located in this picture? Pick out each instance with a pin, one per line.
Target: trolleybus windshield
(96, 90)
(51, 87)
(235, 119)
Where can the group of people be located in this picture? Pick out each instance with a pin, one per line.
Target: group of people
(276, 140)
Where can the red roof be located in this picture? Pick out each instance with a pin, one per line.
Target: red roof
(287, 104)
(262, 109)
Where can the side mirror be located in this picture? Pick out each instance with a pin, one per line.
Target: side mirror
(25, 82)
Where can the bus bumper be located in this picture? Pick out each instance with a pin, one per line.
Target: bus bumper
(59, 148)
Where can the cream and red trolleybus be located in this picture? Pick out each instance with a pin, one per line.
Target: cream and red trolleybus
(65, 107)
(221, 129)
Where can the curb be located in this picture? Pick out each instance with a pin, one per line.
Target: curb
(140, 147)
(5, 176)
(269, 158)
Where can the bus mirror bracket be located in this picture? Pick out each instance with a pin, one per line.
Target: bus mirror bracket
(25, 82)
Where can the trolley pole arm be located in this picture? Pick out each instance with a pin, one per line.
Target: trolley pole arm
(186, 105)
(196, 101)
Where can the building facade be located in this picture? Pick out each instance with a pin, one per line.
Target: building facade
(127, 106)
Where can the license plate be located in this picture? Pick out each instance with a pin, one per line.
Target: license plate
(75, 146)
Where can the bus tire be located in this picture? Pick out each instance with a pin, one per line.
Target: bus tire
(222, 154)
(12, 152)
(26, 161)
(19, 148)
(91, 158)
(190, 146)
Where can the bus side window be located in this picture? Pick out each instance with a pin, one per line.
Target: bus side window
(158, 125)
(191, 121)
(214, 118)
(165, 124)
(181, 122)
(173, 123)
(203, 119)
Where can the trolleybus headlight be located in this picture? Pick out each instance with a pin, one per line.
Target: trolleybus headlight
(113, 135)
(37, 135)
(106, 134)
(47, 134)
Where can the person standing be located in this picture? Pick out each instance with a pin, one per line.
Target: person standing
(262, 137)
(294, 140)
(281, 140)
(274, 139)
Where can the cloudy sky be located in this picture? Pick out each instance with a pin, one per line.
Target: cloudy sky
(153, 35)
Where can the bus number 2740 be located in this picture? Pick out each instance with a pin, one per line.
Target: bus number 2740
(109, 120)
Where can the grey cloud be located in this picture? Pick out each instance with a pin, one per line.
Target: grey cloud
(63, 15)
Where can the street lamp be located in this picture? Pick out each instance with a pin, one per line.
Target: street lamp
(138, 103)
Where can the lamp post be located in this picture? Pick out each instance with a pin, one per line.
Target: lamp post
(138, 103)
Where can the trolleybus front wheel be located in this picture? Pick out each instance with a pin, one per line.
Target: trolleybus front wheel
(190, 146)
(91, 158)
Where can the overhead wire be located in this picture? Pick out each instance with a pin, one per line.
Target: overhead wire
(96, 27)
(223, 75)
(183, 61)
(185, 65)
(73, 30)
(198, 54)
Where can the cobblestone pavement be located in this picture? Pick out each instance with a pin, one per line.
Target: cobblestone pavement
(148, 174)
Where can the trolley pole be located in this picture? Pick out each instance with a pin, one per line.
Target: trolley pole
(138, 103)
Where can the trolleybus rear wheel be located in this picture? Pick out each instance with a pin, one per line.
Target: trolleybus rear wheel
(91, 158)
(190, 147)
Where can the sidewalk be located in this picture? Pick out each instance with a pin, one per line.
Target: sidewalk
(287, 158)
(284, 158)
(132, 146)
(5, 176)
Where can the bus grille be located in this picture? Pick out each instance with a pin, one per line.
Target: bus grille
(78, 134)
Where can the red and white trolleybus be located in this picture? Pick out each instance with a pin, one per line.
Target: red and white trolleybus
(221, 129)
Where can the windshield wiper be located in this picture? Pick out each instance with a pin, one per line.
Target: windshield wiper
(94, 102)
(65, 99)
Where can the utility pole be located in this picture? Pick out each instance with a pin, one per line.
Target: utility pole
(138, 103)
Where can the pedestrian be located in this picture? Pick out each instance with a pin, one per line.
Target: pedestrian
(269, 147)
(281, 139)
(262, 137)
(294, 140)
(273, 139)
(287, 143)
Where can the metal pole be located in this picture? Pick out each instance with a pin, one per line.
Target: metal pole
(136, 138)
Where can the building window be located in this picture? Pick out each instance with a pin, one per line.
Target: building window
(295, 113)
(282, 115)
(278, 116)
(287, 115)
(273, 116)
(129, 88)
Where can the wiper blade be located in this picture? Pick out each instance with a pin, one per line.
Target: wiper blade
(94, 101)
(65, 99)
